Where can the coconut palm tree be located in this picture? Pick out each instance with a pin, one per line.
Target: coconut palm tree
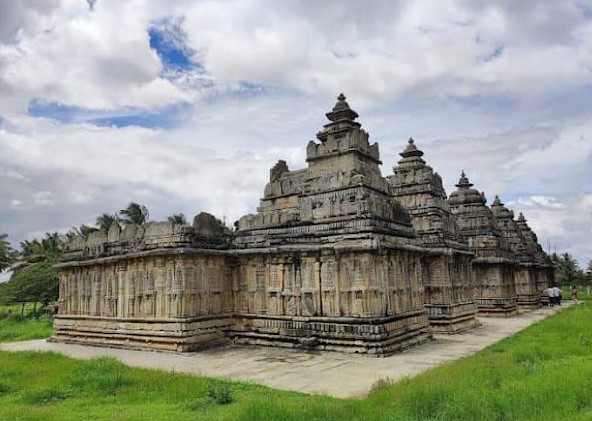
(82, 231)
(7, 254)
(177, 219)
(105, 220)
(567, 270)
(134, 214)
(48, 249)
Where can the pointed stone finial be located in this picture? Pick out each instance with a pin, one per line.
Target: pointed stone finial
(341, 110)
(411, 151)
(463, 182)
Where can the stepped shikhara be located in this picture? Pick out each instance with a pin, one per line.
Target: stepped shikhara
(527, 290)
(336, 258)
(494, 261)
(447, 277)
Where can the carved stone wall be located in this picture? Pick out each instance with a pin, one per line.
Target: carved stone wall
(164, 301)
(352, 301)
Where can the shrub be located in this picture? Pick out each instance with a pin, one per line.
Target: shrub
(219, 393)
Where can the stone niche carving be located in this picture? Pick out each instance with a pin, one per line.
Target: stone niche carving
(336, 258)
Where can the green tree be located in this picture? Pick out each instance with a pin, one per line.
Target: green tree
(177, 219)
(48, 249)
(83, 231)
(34, 283)
(567, 270)
(105, 220)
(7, 253)
(134, 214)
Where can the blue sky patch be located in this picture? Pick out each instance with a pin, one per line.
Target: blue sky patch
(164, 117)
(168, 40)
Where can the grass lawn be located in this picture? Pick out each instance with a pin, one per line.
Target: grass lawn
(21, 329)
(15, 309)
(542, 373)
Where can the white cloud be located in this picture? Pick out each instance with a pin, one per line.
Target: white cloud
(72, 56)
(65, 53)
(562, 225)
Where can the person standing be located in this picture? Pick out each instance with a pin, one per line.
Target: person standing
(557, 295)
(574, 293)
(549, 293)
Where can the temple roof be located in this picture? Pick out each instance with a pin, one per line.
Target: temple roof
(463, 182)
(411, 149)
(465, 194)
(500, 211)
(411, 155)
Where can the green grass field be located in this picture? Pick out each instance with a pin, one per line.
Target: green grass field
(15, 309)
(542, 373)
(22, 329)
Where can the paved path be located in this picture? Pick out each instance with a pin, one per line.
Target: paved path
(335, 374)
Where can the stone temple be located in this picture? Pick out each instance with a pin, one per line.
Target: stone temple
(337, 258)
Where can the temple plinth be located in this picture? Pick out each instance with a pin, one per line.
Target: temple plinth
(493, 266)
(448, 278)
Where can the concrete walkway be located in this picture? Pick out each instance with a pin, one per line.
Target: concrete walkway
(334, 374)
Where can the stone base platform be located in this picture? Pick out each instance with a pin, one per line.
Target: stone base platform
(527, 302)
(370, 336)
(452, 318)
(378, 337)
(179, 335)
(496, 307)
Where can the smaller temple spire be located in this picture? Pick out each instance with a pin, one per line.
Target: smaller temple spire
(463, 182)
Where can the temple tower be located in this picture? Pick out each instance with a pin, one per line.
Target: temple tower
(493, 266)
(331, 252)
(545, 274)
(528, 295)
(448, 278)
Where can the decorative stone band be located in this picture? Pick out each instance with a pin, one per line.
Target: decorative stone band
(164, 334)
(378, 337)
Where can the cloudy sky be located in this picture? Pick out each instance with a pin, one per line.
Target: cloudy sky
(185, 105)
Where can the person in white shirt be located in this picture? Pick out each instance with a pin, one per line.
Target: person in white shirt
(549, 293)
